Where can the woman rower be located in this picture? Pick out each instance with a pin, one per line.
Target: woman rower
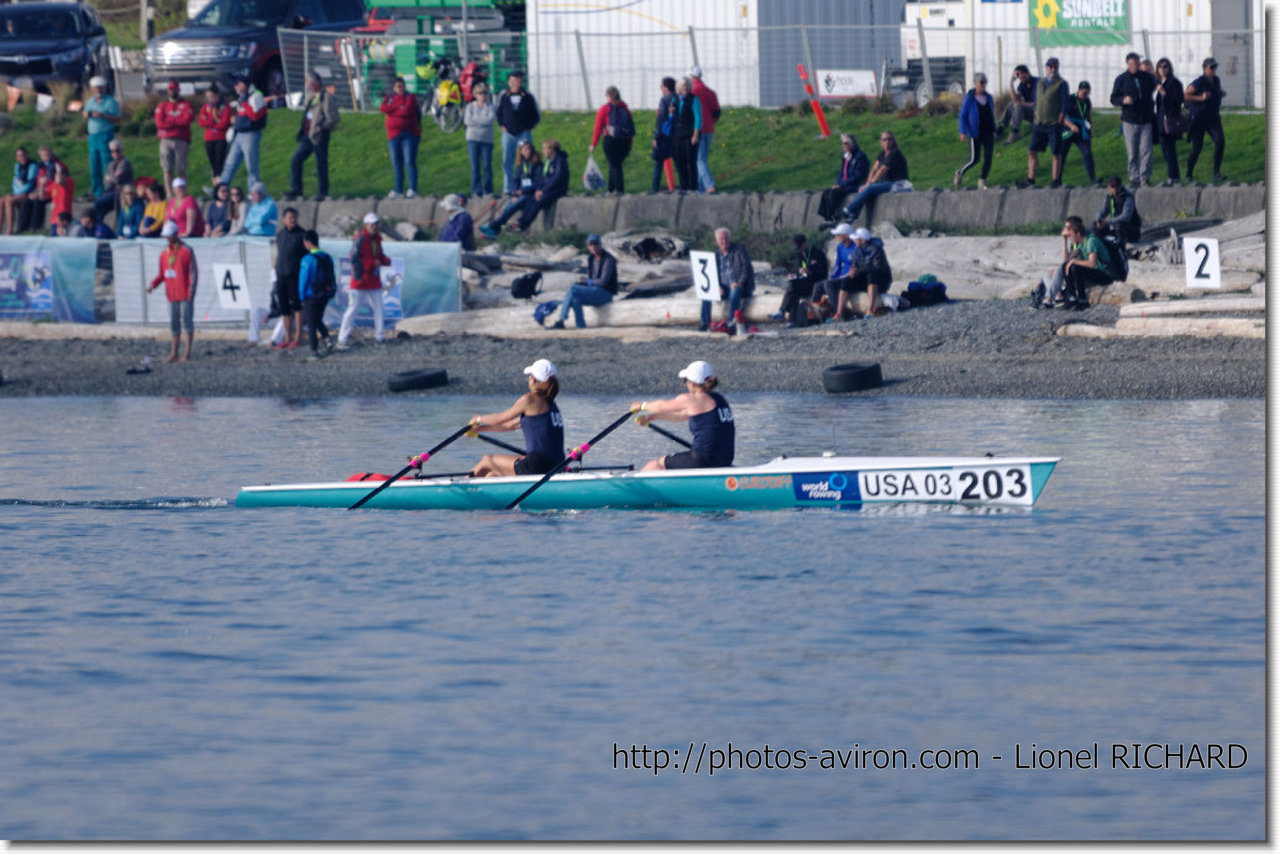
(535, 413)
(710, 421)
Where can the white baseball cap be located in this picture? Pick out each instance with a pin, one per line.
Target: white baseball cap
(452, 202)
(697, 372)
(170, 229)
(179, 182)
(97, 81)
(862, 234)
(696, 71)
(842, 229)
(370, 218)
(542, 370)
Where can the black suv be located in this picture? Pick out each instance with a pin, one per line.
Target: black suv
(233, 37)
(47, 43)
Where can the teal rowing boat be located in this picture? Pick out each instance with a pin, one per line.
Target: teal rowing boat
(785, 482)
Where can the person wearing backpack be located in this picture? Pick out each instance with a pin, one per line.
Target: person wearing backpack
(663, 125)
(1091, 266)
(710, 115)
(317, 285)
(366, 284)
(615, 124)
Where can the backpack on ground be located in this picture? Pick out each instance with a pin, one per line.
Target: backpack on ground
(543, 310)
(1118, 261)
(925, 293)
(621, 122)
(325, 285)
(526, 286)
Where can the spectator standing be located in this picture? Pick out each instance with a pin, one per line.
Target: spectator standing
(101, 115)
(261, 217)
(811, 269)
(663, 127)
(1170, 120)
(289, 254)
(684, 136)
(250, 110)
(119, 172)
(888, 175)
(1133, 92)
(129, 210)
(1022, 106)
(26, 174)
(1119, 213)
(528, 180)
(600, 287)
(215, 117)
(173, 118)
(459, 228)
(854, 168)
(153, 211)
(1052, 94)
(221, 212)
(517, 115)
(737, 283)
(180, 275)
(317, 282)
(479, 117)
(319, 118)
(710, 115)
(978, 128)
(404, 133)
(1079, 124)
(615, 123)
(366, 282)
(185, 211)
(1205, 95)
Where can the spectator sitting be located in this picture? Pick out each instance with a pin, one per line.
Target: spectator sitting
(62, 190)
(119, 172)
(221, 212)
(63, 226)
(153, 211)
(737, 284)
(129, 210)
(1119, 214)
(555, 183)
(262, 216)
(861, 265)
(1084, 262)
(185, 211)
(26, 173)
(888, 175)
(239, 209)
(1023, 106)
(459, 228)
(811, 269)
(527, 180)
(854, 167)
(828, 290)
(600, 288)
(91, 226)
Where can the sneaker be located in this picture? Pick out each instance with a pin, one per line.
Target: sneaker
(1024, 183)
(342, 345)
(1219, 178)
(328, 345)
(1168, 182)
(489, 231)
(982, 184)
(703, 328)
(752, 329)
(411, 195)
(316, 356)
(393, 195)
(955, 180)
(776, 316)
(558, 325)
(1053, 185)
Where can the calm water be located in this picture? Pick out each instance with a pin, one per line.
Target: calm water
(172, 667)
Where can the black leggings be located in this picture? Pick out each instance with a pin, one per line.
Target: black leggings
(616, 150)
(1169, 148)
(1212, 127)
(988, 145)
(685, 156)
(1079, 278)
(314, 308)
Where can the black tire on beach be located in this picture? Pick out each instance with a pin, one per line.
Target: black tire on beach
(852, 378)
(408, 381)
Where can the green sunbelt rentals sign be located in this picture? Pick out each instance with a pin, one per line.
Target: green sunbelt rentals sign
(1064, 23)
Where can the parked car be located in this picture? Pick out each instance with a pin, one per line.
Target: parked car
(43, 43)
(233, 37)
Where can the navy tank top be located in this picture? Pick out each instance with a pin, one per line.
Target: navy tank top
(544, 434)
(713, 433)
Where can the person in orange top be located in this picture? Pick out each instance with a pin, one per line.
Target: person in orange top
(614, 122)
(173, 126)
(215, 117)
(180, 275)
(62, 192)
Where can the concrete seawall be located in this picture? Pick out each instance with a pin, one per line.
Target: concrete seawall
(1005, 208)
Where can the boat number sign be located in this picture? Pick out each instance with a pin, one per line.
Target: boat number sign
(706, 278)
(1003, 484)
(1204, 269)
(232, 285)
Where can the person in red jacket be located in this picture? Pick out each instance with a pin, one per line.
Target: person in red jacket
(404, 132)
(614, 122)
(173, 126)
(366, 282)
(710, 112)
(215, 117)
(180, 275)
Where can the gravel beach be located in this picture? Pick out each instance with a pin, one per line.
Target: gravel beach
(980, 349)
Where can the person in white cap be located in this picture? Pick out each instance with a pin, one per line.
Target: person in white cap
(366, 282)
(185, 211)
(710, 113)
(710, 420)
(180, 275)
(826, 294)
(459, 227)
(536, 414)
(262, 215)
(101, 115)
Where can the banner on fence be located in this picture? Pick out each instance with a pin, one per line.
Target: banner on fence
(1067, 23)
(846, 83)
(47, 279)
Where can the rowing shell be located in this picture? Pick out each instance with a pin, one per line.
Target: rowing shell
(785, 482)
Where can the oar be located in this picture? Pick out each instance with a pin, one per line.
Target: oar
(576, 454)
(671, 436)
(413, 463)
(605, 468)
(508, 446)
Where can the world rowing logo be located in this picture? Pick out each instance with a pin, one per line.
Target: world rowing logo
(1046, 12)
(826, 487)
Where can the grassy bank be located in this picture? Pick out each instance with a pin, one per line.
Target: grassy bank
(754, 150)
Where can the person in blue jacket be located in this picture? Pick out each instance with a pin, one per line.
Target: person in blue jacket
(852, 174)
(527, 182)
(710, 421)
(535, 413)
(978, 128)
(317, 283)
(459, 227)
(555, 183)
(129, 210)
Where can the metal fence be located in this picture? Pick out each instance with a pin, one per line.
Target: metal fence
(569, 70)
